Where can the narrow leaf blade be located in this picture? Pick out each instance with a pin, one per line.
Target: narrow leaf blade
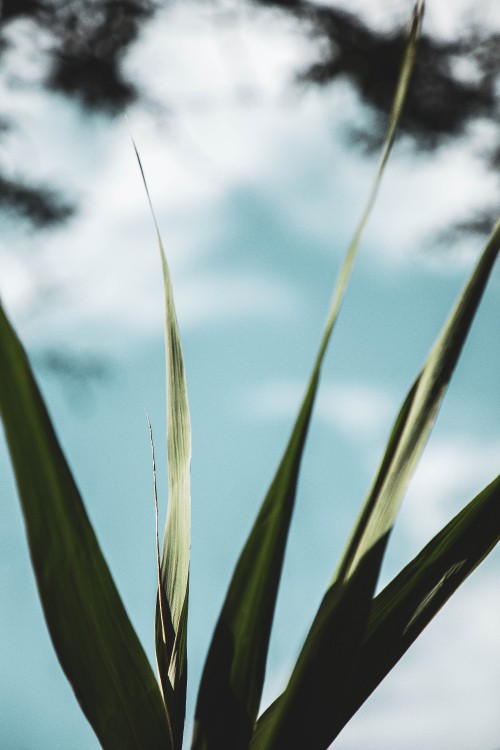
(95, 642)
(232, 680)
(321, 680)
(234, 671)
(406, 606)
(416, 419)
(173, 589)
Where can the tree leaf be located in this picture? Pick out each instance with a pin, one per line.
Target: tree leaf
(321, 679)
(173, 584)
(233, 676)
(94, 640)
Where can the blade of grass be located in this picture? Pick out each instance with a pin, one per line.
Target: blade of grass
(323, 676)
(162, 613)
(94, 640)
(173, 588)
(231, 685)
(417, 417)
(406, 606)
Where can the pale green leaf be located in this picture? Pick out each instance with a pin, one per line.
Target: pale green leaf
(173, 589)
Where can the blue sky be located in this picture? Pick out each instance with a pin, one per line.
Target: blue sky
(257, 194)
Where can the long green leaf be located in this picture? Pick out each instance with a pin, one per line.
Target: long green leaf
(407, 605)
(322, 677)
(173, 584)
(233, 676)
(95, 642)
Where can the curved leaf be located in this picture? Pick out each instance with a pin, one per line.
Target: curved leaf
(406, 606)
(322, 678)
(94, 640)
(233, 676)
(173, 579)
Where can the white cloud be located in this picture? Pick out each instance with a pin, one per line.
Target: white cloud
(358, 410)
(280, 146)
(276, 400)
(452, 471)
(106, 262)
(419, 198)
(16, 283)
(220, 297)
(103, 291)
(441, 17)
(238, 50)
(449, 20)
(284, 146)
(444, 692)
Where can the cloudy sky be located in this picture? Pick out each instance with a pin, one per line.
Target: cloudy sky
(257, 193)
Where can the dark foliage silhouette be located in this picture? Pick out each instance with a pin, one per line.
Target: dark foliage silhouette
(90, 40)
(442, 105)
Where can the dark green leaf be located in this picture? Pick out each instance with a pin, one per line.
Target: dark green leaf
(96, 644)
(407, 605)
(232, 680)
(321, 679)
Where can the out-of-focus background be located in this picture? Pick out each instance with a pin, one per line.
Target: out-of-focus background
(258, 123)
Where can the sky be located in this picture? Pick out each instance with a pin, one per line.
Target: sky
(257, 193)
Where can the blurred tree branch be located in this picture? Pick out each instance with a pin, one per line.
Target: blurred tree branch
(89, 40)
